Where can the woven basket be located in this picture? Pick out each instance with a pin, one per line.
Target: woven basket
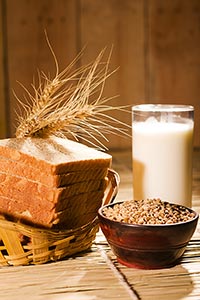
(22, 244)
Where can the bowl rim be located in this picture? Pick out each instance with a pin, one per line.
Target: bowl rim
(101, 215)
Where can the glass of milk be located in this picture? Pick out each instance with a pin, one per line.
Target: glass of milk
(162, 149)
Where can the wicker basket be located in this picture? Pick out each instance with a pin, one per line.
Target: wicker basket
(22, 244)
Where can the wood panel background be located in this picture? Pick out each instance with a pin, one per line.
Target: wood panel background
(156, 45)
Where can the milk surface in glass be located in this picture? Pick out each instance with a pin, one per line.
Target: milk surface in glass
(162, 160)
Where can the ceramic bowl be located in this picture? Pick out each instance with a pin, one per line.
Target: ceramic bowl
(147, 246)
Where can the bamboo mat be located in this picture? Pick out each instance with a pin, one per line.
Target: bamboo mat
(96, 275)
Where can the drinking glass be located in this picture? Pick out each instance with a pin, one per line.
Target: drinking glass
(162, 150)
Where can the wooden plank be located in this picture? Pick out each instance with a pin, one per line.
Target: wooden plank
(3, 98)
(27, 46)
(174, 47)
(119, 24)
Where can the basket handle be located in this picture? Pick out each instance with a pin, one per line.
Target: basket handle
(112, 188)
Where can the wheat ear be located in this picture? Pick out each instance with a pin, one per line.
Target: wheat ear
(63, 106)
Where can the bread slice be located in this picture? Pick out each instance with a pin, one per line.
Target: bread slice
(53, 155)
(46, 214)
(11, 167)
(20, 188)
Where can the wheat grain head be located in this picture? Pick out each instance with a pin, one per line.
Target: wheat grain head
(62, 106)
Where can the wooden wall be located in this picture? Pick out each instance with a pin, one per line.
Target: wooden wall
(156, 47)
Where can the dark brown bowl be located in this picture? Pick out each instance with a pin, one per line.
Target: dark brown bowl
(147, 246)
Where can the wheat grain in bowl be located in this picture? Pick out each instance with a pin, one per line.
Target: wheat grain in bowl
(148, 211)
(148, 234)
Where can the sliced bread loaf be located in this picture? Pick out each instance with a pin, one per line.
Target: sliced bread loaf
(77, 176)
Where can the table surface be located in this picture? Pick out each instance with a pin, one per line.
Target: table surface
(97, 274)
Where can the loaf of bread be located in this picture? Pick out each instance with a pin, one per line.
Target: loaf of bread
(51, 182)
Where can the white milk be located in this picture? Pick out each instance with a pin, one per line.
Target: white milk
(162, 161)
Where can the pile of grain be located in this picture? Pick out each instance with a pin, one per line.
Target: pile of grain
(148, 211)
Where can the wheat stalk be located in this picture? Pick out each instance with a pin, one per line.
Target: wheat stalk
(63, 106)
